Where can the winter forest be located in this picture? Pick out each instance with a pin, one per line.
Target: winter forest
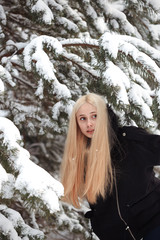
(51, 53)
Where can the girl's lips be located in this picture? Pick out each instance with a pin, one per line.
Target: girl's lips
(90, 131)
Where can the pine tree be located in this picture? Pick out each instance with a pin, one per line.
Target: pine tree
(52, 52)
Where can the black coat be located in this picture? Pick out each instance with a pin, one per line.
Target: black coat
(138, 188)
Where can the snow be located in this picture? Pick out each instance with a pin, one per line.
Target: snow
(91, 12)
(36, 47)
(138, 43)
(110, 43)
(102, 26)
(38, 183)
(75, 16)
(7, 228)
(10, 220)
(40, 6)
(1, 86)
(34, 52)
(2, 73)
(155, 4)
(18, 45)
(3, 175)
(78, 60)
(2, 16)
(7, 187)
(129, 45)
(32, 180)
(39, 91)
(61, 107)
(155, 31)
(121, 81)
(6, 126)
(5, 75)
(86, 40)
(140, 97)
(158, 97)
(140, 57)
(134, 89)
(115, 10)
(113, 44)
(56, 5)
(68, 24)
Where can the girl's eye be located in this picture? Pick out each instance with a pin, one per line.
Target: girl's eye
(82, 118)
(94, 116)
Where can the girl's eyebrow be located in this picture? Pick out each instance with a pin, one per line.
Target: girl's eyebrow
(93, 112)
(89, 113)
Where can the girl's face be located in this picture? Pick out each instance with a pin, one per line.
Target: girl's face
(86, 119)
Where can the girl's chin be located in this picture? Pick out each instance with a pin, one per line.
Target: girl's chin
(89, 135)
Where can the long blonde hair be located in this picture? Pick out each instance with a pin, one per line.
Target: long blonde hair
(86, 171)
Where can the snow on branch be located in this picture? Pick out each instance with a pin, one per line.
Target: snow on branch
(113, 44)
(1, 86)
(61, 107)
(34, 51)
(13, 226)
(3, 21)
(31, 180)
(85, 42)
(142, 45)
(117, 16)
(77, 18)
(80, 62)
(34, 55)
(5, 76)
(75, 59)
(3, 18)
(121, 83)
(142, 98)
(4, 176)
(40, 6)
(134, 83)
(68, 24)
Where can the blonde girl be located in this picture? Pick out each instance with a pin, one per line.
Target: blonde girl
(86, 169)
(112, 167)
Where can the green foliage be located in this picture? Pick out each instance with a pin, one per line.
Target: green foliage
(5, 160)
(34, 100)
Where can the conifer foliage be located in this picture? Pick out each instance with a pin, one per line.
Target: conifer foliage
(52, 52)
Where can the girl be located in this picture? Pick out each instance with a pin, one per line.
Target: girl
(112, 168)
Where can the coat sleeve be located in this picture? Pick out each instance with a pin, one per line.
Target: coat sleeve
(153, 144)
(149, 142)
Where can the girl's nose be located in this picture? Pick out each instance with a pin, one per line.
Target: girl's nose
(89, 123)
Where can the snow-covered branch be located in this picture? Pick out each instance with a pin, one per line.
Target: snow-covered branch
(86, 42)
(38, 183)
(34, 55)
(13, 226)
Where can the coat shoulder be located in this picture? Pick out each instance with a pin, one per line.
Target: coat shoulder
(139, 135)
(133, 133)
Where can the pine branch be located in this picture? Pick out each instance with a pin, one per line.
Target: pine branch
(81, 67)
(80, 45)
(26, 83)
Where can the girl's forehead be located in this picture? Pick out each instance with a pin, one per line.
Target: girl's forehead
(86, 108)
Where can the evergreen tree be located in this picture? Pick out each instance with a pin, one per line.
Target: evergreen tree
(53, 51)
